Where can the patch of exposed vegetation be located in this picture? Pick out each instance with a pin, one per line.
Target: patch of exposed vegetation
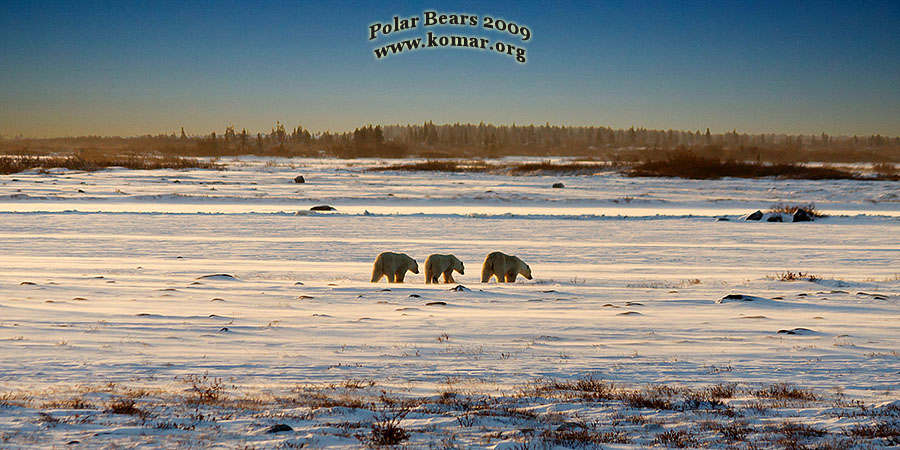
(687, 164)
(513, 168)
(793, 276)
(542, 414)
(94, 160)
(784, 208)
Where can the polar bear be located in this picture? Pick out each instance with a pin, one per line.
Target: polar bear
(436, 264)
(505, 267)
(394, 266)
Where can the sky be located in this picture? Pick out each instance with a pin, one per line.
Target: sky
(125, 68)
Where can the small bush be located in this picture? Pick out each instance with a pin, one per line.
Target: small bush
(676, 439)
(204, 390)
(653, 397)
(732, 431)
(386, 429)
(791, 276)
(879, 429)
(784, 391)
(582, 435)
(124, 406)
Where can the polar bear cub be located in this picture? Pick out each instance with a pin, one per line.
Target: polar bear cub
(393, 266)
(437, 264)
(505, 267)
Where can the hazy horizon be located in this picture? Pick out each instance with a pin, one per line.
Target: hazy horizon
(265, 131)
(110, 69)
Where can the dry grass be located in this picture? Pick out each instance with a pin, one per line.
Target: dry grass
(670, 416)
(204, 389)
(551, 168)
(784, 391)
(514, 169)
(71, 403)
(791, 209)
(886, 169)
(581, 434)
(686, 164)
(658, 397)
(793, 276)
(677, 439)
(124, 406)
(386, 429)
(96, 160)
(885, 428)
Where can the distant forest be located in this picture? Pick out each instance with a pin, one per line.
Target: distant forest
(428, 140)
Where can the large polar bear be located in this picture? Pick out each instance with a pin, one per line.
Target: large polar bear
(436, 265)
(505, 267)
(394, 266)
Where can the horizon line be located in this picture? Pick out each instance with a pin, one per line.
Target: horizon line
(21, 136)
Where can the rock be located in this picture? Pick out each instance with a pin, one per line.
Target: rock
(415, 295)
(224, 330)
(299, 179)
(323, 208)
(799, 331)
(279, 428)
(722, 219)
(739, 298)
(558, 185)
(436, 304)
(459, 288)
(756, 215)
(775, 218)
(801, 215)
(218, 276)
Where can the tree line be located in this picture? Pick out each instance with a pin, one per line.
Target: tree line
(428, 140)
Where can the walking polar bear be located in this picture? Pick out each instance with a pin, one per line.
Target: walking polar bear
(505, 267)
(437, 264)
(393, 266)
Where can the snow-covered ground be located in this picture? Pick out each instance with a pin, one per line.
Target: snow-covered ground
(104, 296)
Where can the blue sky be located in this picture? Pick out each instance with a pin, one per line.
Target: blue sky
(128, 68)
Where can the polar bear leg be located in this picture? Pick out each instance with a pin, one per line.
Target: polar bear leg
(448, 276)
(500, 271)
